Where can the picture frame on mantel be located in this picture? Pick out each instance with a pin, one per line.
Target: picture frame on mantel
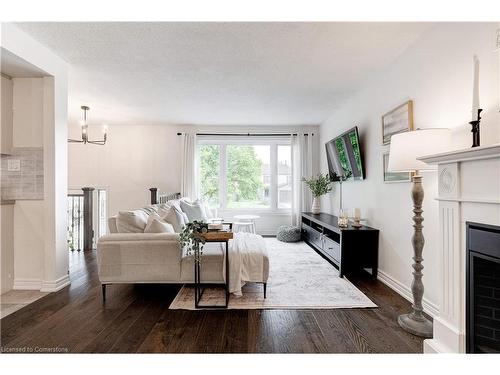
(392, 177)
(398, 120)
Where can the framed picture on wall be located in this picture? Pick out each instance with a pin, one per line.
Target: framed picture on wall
(399, 120)
(390, 177)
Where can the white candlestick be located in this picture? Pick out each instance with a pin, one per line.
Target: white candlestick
(475, 89)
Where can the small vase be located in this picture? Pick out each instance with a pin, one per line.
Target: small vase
(316, 207)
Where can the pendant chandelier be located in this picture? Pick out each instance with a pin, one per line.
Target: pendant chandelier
(85, 130)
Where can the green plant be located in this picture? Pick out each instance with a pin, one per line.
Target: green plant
(320, 185)
(192, 240)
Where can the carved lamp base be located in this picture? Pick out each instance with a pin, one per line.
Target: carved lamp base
(420, 326)
(415, 322)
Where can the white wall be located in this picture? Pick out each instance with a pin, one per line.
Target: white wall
(54, 268)
(136, 158)
(436, 73)
(28, 214)
(7, 211)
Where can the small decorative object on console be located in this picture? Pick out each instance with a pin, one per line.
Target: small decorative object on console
(356, 218)
(343, 219)
(319, 186)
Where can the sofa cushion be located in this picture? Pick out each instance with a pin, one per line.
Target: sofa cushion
(156, 224)
(131, 221)
(212, 269)
(194, 210)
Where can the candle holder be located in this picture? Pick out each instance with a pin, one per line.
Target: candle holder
(475, 129)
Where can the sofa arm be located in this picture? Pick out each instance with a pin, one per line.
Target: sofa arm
(139, 257)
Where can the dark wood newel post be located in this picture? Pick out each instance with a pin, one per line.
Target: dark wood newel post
(154, 195)
(88, 216)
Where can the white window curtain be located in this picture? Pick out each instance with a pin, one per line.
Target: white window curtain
(189, 184)
(304, 164)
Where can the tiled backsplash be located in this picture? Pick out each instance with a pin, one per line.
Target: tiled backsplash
(27, 182)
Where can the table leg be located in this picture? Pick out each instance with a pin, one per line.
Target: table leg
(227, 273)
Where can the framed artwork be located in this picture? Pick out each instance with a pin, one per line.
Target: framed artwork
(399, 120)
(390, 177)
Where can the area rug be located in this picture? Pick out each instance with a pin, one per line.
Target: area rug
(299, 278)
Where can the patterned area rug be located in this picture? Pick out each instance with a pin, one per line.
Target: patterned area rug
(299, 278)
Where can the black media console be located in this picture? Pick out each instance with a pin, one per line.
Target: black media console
(348, 249)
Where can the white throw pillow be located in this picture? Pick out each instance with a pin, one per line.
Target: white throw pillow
(157, 225)
(131, 221)
(194, 210)
(175, 218)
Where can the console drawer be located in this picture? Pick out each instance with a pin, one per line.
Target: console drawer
(331, 248)
(312, 235)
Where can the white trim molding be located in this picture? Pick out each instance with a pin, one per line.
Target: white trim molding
(27, 284)
(55, 285)
(404, 291)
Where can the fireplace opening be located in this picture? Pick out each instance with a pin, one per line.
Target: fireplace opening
(483, 288)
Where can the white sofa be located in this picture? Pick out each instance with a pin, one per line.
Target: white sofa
(155, 258)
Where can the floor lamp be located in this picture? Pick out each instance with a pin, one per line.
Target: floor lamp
(404, 150)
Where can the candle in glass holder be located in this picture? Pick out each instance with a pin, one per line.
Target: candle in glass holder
(343, 220)
(357, 217)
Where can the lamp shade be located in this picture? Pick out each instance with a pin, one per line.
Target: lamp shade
(407, 147)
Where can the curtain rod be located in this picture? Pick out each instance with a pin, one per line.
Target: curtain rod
(250, 135)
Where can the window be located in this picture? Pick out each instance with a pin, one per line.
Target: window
(246, 173)
(284, 177)
(209, 173)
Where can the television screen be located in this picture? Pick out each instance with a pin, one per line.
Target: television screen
(343, 154)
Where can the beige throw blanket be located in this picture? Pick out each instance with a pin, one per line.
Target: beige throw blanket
(246, 260)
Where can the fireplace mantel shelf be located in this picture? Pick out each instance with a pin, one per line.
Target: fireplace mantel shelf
(468, 154)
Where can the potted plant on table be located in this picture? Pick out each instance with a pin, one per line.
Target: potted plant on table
(192, 239)
(319, 186)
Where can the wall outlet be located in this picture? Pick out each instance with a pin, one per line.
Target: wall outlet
(13, 165)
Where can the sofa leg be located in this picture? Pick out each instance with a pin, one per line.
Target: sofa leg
(103, 293)
(265, 290)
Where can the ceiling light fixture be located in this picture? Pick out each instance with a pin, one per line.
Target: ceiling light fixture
(85, 128)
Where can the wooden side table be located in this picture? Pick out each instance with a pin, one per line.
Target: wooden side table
(212, 236)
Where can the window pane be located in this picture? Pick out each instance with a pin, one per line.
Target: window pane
(209, 174)
(248, 176)
(284, 163)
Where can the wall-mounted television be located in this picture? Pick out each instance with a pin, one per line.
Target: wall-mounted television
(344, 157)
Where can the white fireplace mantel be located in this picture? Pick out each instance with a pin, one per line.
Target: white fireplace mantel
(469, 190)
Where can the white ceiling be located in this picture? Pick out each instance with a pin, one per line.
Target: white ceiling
(219, 73)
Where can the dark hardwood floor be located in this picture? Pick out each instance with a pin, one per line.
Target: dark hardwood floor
(136, 318)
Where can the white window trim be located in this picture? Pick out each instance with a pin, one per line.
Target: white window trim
(273, 142)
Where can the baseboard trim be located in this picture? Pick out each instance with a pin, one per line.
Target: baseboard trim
(27, 284)
(55, 285)
(405, 292)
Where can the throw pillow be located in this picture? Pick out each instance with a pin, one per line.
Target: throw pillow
(131, 221)
(175, 218)
(194, 210)
(157, 225)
